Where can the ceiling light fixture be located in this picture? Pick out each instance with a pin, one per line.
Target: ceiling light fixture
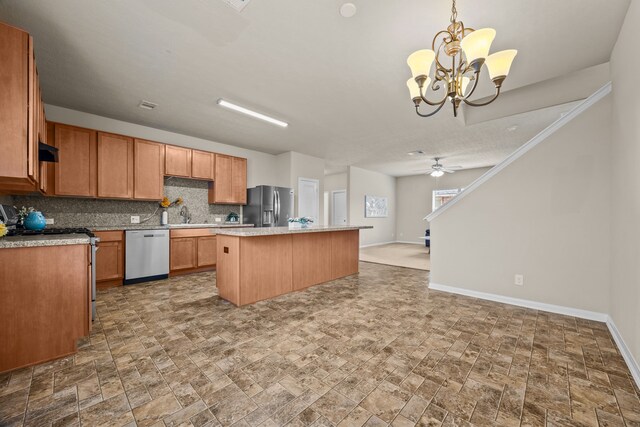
(254, 114)
(348, 10)
(437, 174)
(468, 51)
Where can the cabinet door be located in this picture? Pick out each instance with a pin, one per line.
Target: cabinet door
(239, 180)
(202, 165)
(115, 166)
(109, 265)
(222, 186)
(47, 170)
(32, 144)
(206, 251)
(183, 253)
(148, 172)
(177, 161)
(75, 172)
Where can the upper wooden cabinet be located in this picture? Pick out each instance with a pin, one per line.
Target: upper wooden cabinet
(202, 165)
(21, 111)
(75, 172)
(230, 183)
(148, 171)
(239, 180)
(177, 161)
(115, 166)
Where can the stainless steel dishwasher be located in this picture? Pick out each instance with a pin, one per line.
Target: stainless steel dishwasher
(147, 255)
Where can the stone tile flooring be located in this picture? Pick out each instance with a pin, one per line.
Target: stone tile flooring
(373, 349)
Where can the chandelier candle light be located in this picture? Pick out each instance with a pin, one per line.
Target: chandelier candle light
(468, 50)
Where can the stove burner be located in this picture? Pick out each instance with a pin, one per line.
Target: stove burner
(50, 231)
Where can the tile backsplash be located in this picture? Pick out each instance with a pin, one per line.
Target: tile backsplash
(79, 212)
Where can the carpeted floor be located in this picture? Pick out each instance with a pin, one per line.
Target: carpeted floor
(398, 254)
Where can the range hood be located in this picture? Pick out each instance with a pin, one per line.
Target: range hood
(47, 153)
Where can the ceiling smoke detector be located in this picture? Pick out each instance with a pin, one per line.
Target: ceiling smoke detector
(238, 5)
(347, 10)
(147, 105)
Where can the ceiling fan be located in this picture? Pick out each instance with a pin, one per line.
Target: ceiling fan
(437, 169)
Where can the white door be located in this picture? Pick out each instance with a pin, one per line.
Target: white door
(339, 207)
(325, 210)
(309, 198)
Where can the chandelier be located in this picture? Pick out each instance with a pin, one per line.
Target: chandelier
(466, 50)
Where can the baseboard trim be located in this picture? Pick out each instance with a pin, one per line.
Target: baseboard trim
(551, 308)
(410, 243)
(377, 244)
(632, 364)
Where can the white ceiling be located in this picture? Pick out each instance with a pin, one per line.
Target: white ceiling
(339, 82)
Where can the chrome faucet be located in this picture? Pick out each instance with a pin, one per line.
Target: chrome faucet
(184, 213)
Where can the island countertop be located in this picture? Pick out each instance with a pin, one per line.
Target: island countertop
(273, 231)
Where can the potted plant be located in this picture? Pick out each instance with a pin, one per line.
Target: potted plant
(303, 222)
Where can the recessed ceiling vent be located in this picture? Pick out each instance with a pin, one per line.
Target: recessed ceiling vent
(238, 5)
(147, 105)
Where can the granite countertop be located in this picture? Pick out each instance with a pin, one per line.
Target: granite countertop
(170, 226)
(271, 231)
(35, 241)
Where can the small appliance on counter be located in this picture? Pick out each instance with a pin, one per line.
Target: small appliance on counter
(268, 206)
(9, 216)
(147, 255)
(232, 218)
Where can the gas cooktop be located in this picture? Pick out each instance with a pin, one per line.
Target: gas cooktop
(49, 231)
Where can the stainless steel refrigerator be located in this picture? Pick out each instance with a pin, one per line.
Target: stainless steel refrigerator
(268, 206)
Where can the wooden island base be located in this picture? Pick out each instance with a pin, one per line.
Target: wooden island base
(256, 268)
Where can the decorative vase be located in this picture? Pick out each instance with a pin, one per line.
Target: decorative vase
(35, 221)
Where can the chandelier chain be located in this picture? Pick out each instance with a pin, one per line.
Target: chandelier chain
(454, 12)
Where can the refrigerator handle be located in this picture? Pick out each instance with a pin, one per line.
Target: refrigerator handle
(277, 206)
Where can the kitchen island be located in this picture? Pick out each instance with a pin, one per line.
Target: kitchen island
(260, 263)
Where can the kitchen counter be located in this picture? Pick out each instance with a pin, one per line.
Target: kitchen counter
(273, 231)
(37, 241)
(262, 263)
(170, 226)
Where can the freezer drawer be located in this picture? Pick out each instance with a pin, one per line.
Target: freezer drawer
(146, 255)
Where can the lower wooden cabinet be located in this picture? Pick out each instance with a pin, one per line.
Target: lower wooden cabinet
(192, 250)
(206, 251)
(183, 253)
(110, 259)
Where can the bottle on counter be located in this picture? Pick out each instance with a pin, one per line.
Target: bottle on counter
(165, 218)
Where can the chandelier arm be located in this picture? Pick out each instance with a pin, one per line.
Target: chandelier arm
(430, 114)
(442, 42)
(424, 98)
(482, 104)
(475, 85)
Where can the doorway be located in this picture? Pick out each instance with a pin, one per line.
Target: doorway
(339, 207)
(309, 198)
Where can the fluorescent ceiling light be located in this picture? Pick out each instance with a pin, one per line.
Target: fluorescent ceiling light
(239, 109)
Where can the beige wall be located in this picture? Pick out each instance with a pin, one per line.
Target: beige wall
(414, 197)
(364, 182)
(625, 183)
(262, 168)
(545, 216)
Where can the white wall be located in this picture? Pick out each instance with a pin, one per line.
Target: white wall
(363, 182)
(414, 197)
(545, 216)
(334, 182)
(262, 168)
(625, 183)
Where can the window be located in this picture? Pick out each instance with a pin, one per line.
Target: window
(441, 197)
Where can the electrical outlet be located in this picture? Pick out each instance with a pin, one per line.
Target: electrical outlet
(49, 221)
(135, 219)
(518, 280)
(218, 219)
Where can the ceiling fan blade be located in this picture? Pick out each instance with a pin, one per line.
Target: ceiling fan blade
(447, 170)
(454, 167)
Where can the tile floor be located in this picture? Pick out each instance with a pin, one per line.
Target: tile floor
(373, 349)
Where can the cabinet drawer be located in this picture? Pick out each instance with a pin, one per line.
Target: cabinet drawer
(192, 232)
(110, 236)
